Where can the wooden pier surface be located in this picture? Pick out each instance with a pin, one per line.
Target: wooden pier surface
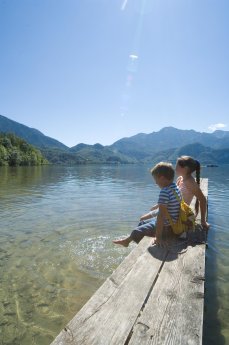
(154, 297)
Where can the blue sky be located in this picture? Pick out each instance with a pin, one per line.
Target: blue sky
(99, 70)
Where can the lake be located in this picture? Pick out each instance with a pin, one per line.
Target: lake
(57, 226)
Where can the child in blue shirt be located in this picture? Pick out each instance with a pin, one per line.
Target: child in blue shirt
(163, 174)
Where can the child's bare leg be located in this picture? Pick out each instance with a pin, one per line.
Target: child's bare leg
(124, 242)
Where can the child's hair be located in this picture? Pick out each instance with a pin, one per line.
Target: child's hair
(193, 165)
(163, 169)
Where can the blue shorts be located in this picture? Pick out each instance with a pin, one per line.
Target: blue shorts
(144, 228)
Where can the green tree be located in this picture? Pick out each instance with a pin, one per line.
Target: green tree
(3, 155)
(14, 157)
(15, 151)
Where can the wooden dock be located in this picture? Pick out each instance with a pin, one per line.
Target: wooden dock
(154, 297)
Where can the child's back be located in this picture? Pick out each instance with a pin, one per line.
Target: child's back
(168, 198)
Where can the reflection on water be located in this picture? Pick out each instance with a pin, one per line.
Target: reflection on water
(57, 226)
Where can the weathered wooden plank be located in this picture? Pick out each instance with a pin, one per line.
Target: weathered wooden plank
(174, 311)
(107, 318)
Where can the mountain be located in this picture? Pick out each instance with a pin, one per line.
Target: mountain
(58, 153)
(100, 154)
(31, 135)
(166, 144)
(141, 146)
(206, 155)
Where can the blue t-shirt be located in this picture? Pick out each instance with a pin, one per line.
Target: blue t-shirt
(168, 198)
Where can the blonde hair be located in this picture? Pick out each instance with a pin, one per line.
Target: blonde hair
(163, 169)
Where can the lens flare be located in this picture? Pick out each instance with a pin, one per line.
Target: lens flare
(124, 5)
(132, 66)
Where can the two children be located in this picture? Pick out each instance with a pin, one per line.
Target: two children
(186, 187)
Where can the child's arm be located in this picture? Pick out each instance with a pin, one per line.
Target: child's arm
(155, 207)
(203, 208)
(150, 214)
(195, 189)
(147, 216)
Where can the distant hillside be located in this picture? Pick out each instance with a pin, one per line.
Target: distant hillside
(86, 154)
(100, 154)
(166, 144)
(204, 154)
(31, 135)
(141, 146)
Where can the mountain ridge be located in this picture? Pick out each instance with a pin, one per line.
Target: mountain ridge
(164, 144)
(31, 135)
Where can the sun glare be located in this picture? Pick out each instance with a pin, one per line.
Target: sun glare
(124, 5)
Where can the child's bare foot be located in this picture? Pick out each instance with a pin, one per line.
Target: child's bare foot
(124, 242)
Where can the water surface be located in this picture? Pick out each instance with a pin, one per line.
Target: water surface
(57, 226)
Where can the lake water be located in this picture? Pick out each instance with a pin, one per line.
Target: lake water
(57, 226)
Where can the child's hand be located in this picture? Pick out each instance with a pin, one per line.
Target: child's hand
(155, 207)
(205, 225)
(159, 242)
(146, 216)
